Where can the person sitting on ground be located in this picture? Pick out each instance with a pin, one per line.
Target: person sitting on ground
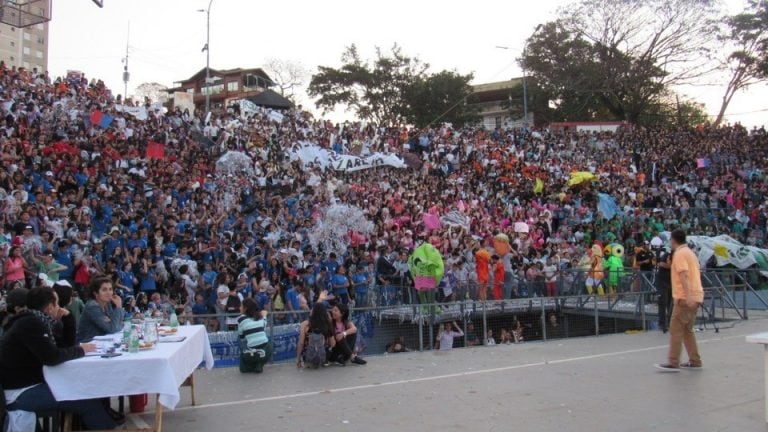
(397, 346)
(315, 337)
(447, 335)
(345, 334)
(103, 312)
(506, 337)
(251, 328)
(27, 346)
(489, 340)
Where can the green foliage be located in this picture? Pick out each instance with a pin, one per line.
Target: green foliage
(393, 89)
(375, 91)
(440, 97)
(617, 59)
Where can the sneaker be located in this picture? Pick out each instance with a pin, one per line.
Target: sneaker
(326, 364)
(666, 367)
(358, 361)
(691, 366)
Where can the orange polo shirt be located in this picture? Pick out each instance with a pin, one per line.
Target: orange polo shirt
(685, 260)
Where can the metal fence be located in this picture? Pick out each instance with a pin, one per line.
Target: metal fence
(398, 327)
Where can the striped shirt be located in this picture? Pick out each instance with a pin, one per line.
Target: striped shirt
(253, 331)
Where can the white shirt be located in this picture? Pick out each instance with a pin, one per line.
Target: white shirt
(446, 339)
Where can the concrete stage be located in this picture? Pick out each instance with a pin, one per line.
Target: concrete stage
(605, 383)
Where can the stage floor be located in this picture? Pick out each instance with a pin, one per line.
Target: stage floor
(605, 383)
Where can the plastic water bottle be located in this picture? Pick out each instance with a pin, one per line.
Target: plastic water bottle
(127, 328)
(174, 321)
(133, 345)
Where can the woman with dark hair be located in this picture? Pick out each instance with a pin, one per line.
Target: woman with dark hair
(66, 329)
(25, 348)
(251, 327)
(315, 336)
(345, 335)
(103, 312)
(13, 269)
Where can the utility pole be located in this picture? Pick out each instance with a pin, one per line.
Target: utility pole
(126, 74)
(207, 56)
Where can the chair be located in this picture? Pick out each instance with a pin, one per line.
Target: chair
(51, 420)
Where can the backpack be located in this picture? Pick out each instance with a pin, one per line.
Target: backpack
(314, 354)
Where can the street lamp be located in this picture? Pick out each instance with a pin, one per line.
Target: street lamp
(207, 49)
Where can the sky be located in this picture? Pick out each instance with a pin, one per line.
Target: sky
(166, 38)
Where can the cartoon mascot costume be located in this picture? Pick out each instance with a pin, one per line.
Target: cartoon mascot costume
(614, 265)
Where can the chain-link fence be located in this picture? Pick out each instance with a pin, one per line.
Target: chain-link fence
(637, 304)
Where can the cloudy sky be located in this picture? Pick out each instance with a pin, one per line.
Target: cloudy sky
(166, 38)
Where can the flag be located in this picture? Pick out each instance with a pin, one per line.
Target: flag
(607, 206)
(538, 188)
(106, 120)
(580, 177)
(201, 139)
(702, 163)
(96, 117)
(155, 150)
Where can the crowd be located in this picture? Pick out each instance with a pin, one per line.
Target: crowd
(82, 198)
(119, 205)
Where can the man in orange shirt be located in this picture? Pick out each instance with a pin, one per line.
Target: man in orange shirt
(482, 262)
(687, 296)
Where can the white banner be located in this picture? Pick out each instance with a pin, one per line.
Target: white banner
(312, 155)
(184, 100)
(727, 251)
(247, 108)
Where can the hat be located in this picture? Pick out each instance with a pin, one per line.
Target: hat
(29, 227)
(49, 174)
(114, 229)
(222, 289)
(17, 297)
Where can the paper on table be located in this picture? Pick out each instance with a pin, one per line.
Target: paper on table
(172, 338)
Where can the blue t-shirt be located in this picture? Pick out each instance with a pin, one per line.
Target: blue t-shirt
(199, 309)
(359, 280)
(340, 280)
(262, 298)
(293, 298)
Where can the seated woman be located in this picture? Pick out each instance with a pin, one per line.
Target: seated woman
(251, 327)
(65, 330)
(345, 335)
(103, 312)
(315, 337)
(26, 347)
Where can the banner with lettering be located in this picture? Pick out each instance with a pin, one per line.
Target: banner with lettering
(314, 156)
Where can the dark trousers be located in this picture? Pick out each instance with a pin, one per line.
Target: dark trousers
(253, 363)
(665, 305)
(344, 349)
(40, 399)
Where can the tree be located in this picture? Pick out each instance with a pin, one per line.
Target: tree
(287, 75)
(616, 58)
(375, 91)
(747, 64)
(153, 91)
(440, 97)
(670, 111)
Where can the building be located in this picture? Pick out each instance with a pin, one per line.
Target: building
(224, 87)
(24, 34)
(494, 100)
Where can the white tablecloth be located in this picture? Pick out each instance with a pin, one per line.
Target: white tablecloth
(161, 370)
